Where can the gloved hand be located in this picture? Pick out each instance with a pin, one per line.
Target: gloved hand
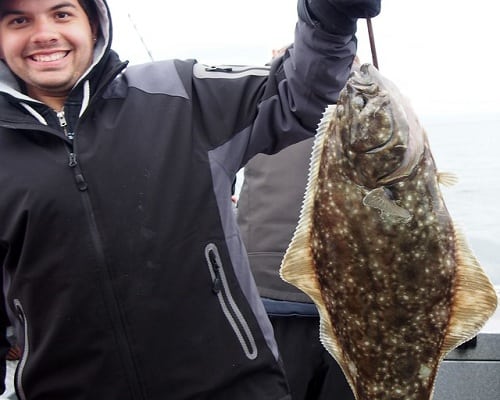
(340, 16)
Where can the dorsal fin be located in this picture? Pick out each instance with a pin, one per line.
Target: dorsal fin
(297, 266)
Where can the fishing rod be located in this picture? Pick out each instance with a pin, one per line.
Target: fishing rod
(372, 43)
(140, 37)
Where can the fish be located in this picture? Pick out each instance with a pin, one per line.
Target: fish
(394, 280)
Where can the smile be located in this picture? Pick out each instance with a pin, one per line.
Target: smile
(49, 57)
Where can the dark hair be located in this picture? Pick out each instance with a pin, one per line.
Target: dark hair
(90, 9)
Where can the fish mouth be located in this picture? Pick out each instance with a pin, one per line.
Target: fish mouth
(375, 129)
(366, 114)
(371, 123)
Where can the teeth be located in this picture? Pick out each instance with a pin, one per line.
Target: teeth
(49, 57)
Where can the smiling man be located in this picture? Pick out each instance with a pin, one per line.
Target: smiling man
(48, 45)
(122, 268)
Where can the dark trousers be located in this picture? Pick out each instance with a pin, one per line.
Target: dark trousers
(313, 374)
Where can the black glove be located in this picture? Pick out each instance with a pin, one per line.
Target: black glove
(340, 16)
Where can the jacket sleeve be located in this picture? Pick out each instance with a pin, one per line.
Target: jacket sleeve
(307, 79)
(317, 69)
(283, 106)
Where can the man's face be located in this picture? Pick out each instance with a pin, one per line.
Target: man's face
(47, 43)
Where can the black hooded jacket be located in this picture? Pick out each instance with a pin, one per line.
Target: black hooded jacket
(123, 269)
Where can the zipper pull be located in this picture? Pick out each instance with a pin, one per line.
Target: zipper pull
(72, 160)
(62, 119)
(64, 124)
(217, 282)
(218, 69)
(81, 183)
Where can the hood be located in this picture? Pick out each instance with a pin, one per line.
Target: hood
(10, 85)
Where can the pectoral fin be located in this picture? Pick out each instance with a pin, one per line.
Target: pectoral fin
(380, 199)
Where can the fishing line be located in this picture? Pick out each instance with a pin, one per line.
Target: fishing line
(140, 37)
(372, 43)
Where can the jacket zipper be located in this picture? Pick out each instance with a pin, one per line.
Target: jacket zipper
(112, 302)
(72, 160)
(26, 350)
(64, 124)
(233, 314)
(61, 117)
(115, 313)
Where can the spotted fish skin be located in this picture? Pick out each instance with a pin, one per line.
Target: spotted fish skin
(396, 286)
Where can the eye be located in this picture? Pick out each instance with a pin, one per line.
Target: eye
(62, 15)
(358, 102)
(17, 21)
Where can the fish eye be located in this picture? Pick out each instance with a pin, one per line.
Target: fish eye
(358, 102)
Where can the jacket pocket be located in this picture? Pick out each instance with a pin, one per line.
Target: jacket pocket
(26, 350)
(228, 305)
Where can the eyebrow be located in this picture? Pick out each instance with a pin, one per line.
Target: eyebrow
(6, 12)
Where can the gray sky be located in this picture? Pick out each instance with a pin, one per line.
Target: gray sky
(443, 54)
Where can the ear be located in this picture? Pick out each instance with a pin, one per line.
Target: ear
(94, 28)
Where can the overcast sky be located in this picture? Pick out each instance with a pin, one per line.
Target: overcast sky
(443, 54)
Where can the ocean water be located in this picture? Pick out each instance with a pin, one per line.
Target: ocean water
(468, 146)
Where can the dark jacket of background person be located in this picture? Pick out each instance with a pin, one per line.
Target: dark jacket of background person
(269, 206)
(123, 270)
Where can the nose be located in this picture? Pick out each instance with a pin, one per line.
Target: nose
(44, 32)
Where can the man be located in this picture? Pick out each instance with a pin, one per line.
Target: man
(119, 287)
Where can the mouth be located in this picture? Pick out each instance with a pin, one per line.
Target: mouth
(45, 58)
